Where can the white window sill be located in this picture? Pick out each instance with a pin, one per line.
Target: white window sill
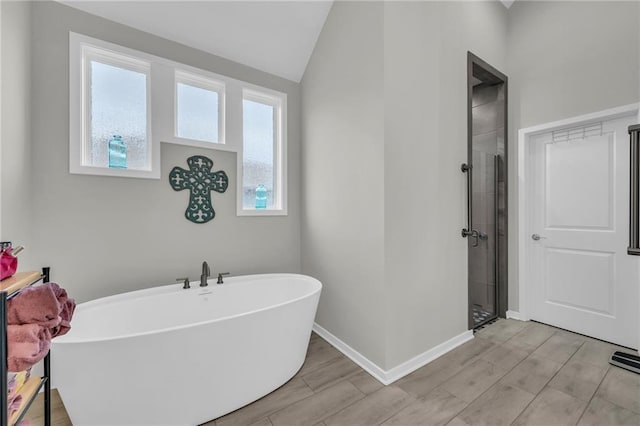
(106, 171)
(262, 212)
(200, 144)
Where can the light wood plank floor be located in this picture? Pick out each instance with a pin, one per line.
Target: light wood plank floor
(520, 373)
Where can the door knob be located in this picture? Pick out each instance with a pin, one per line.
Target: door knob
(536, 237)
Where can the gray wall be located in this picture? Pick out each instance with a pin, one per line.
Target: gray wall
(426, 46)
(384, 126)
(16, 214)
(384, 133)
(105, 235)
(342, 160)
(565, 59)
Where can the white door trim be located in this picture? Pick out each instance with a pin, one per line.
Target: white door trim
(524, 135)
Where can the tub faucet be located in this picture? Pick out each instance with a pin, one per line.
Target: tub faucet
(220, 277)
(206, 273)
(185, 282)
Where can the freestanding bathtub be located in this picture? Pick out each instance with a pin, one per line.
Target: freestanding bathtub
(168, 356)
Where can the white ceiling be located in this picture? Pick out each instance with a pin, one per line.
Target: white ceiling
(273, 36)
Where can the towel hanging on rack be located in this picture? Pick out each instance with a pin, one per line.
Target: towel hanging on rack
(28, 344)
(34, 317)
(35, 305)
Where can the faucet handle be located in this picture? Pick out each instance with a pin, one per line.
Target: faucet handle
(186, 282)
(220, 277)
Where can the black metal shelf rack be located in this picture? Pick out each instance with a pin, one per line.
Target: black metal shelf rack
(35, 386)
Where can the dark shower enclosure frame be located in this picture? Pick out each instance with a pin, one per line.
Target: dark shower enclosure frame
(487, 73)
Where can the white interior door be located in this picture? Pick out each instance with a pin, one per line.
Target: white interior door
(582, 278)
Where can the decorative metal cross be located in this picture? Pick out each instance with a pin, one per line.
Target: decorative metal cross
(200, 180)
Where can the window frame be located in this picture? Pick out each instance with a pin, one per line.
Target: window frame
(278, 101)
(82, 53)
(166, 100)
(200, 81)
(162, 79)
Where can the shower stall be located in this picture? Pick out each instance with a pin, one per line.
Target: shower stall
(486, 170)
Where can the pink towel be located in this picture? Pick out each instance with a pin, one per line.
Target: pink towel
(35, 305)
(47, 305)
(59, 292)
(67, 307)
(11, 387)
(14, 404)
(65, 319)
(27, 345)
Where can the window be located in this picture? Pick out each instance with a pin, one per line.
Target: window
(110, 112)
(199, 108)
(118, 101)
(263, 153)
(124, 103)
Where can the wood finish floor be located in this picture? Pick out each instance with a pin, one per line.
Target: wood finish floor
(512, 373)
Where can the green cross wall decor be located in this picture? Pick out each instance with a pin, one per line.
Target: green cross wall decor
(200, 180)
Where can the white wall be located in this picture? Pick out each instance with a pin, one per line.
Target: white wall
(565, 59)
(343, 181)
(105, 235)
(16, 167)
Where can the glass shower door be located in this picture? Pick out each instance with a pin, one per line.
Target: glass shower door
(482, 247)
(487, 206)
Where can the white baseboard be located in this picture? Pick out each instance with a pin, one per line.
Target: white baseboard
(515, 315)
(355, 356)
(426, 357)
(387, 377)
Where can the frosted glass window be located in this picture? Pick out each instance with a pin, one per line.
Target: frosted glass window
(197, 113)
(123, 103)
(118, 107)
(259, 152)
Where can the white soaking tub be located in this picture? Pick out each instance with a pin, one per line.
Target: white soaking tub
(168, 356)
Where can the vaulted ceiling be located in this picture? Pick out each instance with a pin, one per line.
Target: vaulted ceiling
(273, 36)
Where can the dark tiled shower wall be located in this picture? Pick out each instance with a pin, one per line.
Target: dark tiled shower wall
(487, 154)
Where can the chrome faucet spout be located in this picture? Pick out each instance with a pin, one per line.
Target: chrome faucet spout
(206, 273)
